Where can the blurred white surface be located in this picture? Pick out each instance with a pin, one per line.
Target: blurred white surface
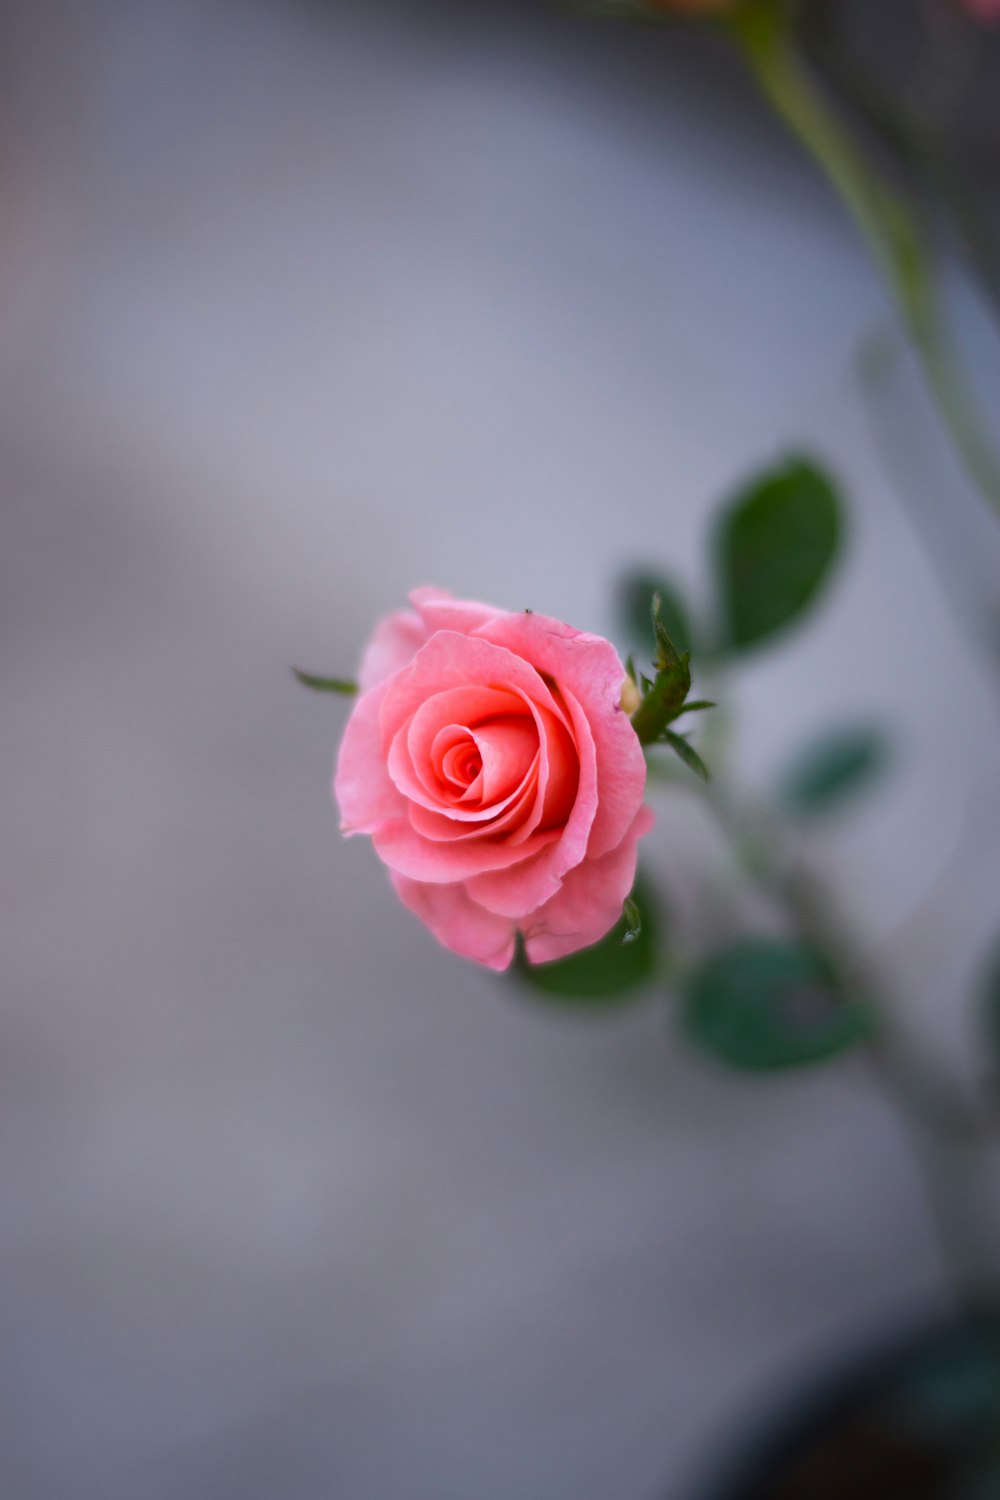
(310, 305)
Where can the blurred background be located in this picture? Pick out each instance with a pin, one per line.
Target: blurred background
(302, 305)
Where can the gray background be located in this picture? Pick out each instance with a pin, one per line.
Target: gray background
(301, 307)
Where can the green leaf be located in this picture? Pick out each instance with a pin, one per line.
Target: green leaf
(832, 769)
(606, 975)
(761, 1004)
(687, 753)
(774, 548)
(326, 684)
(635, 594)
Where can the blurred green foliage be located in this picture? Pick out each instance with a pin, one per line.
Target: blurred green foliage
(831, 770)
(763, 1004)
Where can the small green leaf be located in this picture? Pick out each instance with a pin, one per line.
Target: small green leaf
(832, 769)
(774, 548)
(697, 705)
(634, 596)
(687, 753)
(762, 1004)
(608, 974)
(326, 684)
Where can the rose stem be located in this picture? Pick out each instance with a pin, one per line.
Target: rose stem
(760, 30)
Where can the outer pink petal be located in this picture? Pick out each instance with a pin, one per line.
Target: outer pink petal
(362, 786)
(588, 667)
(405, 850)
(458, 922)
(442, 611)
(394, 643)
(589, 902)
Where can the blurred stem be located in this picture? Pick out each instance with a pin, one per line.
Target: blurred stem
(968, 586)
(913, 146)
(896, 241)
(949, 1135)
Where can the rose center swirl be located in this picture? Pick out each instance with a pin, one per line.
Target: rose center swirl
(483, 764)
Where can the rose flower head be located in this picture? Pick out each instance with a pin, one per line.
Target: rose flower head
(490, 760)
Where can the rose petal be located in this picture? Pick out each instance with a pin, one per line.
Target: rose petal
(411, 753)
(407, 851)
(589, 902)
(588, 667)
(507, 748)
(563, 772)
(449, 660)
(514, 821)
(520, 890)
(458, 922)
(440, 610)
(362, 786)
(394, 644)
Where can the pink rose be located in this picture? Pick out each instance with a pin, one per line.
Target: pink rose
(490, 760)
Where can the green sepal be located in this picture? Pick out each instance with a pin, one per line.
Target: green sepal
(634, 594)
(687, 753)
(663, 699)
(326, 684)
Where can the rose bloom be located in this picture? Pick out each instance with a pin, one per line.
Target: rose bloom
(490, 760)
